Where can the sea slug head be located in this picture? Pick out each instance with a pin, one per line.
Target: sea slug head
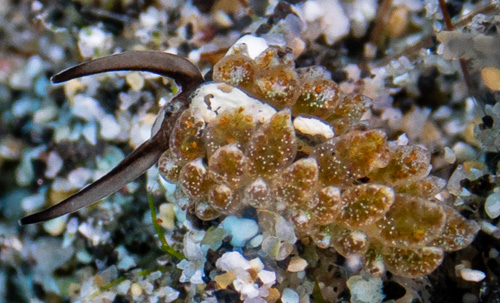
(178, 68)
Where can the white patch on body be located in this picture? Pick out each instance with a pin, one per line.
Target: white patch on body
(214, 98)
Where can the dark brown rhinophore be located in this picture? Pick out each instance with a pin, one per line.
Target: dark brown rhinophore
(135, 164)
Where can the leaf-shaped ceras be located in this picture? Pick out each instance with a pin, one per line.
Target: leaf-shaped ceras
(134, 165)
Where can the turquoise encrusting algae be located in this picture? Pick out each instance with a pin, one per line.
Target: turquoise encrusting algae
(354, 190)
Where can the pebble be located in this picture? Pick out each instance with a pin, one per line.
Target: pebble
(255, 45)
(332, 21)
(492, 206)
(285, 230)
(249, 291)
(33, 202)
(365, 290)
(167, 216)
(267, 277)
(289, 296)
(222, 19)
(170, 294)
(297, 264)
(93, 41)
(241, 229)
(123, 287)
(136, 289)
(126, 261)
(110, 129)
(273, 296)
(54, 165)
(56, 226)
(403, 140)
(225, 279)
(232, 260)
(491, 77)
(488, 228)
(89, 132)
(45, 114)
(79, 177)
(135, 80)
(86, 108)
(256, 264)
(10, 148)
(256, 241)
(472, 275)
(449, 155)
(25, 106)
(464, 152)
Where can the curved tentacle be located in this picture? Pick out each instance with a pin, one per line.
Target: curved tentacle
(133, 166)
(146, 155)
(178, 68)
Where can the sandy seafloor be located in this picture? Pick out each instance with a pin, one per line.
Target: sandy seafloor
(55, 139)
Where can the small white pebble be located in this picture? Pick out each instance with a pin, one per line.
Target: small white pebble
(249, 291)
(472, 275)
(267, 277)
(126, 262)
(150, 18)
(56, 226)
(493, 253)
(232, 260)
(84, 257)
(54, 165)
(222, 19)
(297, 264)
(89, 132)
(123, 287)
(36, 6)
(255, 45)
(354, 262)
(135, 80)
(136, 289)
(367, 290)
(110, 129)
(79, 177)
(86, 108)
(171, 294)
(289, 296)
(464, 151)
(93, 41)
(285, 230)
(403, 139)
(449, 155)
(72, 226)
(167, 216)
(240, 229)
(256, 241)
(147, 286)
(492, 206)
(488, 228)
